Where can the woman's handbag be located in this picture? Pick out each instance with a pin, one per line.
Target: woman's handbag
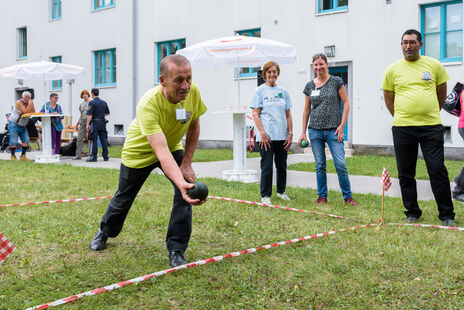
(452, 104)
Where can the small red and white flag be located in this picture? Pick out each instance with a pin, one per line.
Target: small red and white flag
(385, 179)
(6, 247)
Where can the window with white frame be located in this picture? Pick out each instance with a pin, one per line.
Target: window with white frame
(442, 25)
(55, 7)
(324, 6)
(56, 84)
(249, 72)
(105, 67)
(166, 48)
(22, 43)
(102, 4)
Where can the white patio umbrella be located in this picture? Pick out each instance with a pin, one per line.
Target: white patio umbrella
(44, 71)
(237, 52)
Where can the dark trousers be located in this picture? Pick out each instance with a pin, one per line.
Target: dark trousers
(99, 130)
(130, 182)
(56, 141)
(279, 154)
(430, 138)
(459, 180)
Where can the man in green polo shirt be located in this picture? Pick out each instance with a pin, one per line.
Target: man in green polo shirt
(415, 90)
(164, 114)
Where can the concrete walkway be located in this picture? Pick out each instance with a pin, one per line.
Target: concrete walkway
(359, 184)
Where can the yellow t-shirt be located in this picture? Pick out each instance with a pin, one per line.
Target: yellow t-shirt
(414, 85)
(156, 114)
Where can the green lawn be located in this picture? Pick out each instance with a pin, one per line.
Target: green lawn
(394, 268)
(373, 165)
(201, 155)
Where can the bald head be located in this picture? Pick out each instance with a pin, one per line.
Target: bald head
(178, 60)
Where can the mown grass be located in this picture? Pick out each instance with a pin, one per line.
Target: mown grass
(394, 268)
(373, 165)
(200, 155)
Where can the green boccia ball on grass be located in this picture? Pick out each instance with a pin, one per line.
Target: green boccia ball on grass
(198, 191)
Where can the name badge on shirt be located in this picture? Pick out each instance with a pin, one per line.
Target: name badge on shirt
(180, 114)
(316, 92)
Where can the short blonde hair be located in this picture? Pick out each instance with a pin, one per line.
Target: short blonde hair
(267, 66)
(85, 92)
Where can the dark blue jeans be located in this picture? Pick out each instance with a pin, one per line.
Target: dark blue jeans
(99, 130)
(279, 154)
(130, 182)
(406, 141)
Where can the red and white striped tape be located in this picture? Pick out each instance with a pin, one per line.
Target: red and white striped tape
(143, 194)
(275, 206)
(427, 226)
(189, 265)
(62, 200)
(217, 259)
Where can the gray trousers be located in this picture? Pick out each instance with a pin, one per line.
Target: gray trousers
(80, 139)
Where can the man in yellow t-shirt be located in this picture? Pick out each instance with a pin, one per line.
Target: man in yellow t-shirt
(415, 90)
(164, 114)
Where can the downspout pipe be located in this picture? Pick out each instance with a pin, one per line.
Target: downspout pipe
(134, 57)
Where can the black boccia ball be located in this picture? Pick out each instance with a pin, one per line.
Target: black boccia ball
(199, 191)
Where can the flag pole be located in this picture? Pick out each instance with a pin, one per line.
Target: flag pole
(381, 210)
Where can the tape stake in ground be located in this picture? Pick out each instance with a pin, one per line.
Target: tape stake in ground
(275, 206)
(190, 265)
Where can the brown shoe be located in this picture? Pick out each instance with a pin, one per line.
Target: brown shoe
(24, 158)
(13, 157)
(321, 201)
(350, 201)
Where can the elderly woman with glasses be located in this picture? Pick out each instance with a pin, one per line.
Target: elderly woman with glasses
(271, 106)
(326, 125)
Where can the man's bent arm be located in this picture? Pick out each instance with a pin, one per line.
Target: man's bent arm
(441, 94)
(191, 141)
(389, 98)
(168, 164)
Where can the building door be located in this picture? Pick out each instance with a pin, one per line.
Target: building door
(342, 72)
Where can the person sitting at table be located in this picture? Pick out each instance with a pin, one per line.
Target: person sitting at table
(57, 126)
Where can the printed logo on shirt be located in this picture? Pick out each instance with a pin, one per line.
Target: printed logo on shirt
(426, 76)
(276, 99)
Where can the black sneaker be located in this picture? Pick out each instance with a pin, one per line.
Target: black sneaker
(411, 220)
(98, 242)
(449, 223)
(90, 159)
(176, 258)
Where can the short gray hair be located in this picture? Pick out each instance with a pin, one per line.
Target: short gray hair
(25, 93)
(177, 59)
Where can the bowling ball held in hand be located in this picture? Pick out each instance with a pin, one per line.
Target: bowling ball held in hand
(198, 191)
(304, 143)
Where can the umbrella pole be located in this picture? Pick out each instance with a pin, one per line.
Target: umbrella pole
(239, 120)
(238, 83)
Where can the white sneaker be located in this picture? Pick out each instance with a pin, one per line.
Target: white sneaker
(266, 200)
(283, 196)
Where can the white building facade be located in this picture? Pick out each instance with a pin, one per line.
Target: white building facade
(120, 44)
